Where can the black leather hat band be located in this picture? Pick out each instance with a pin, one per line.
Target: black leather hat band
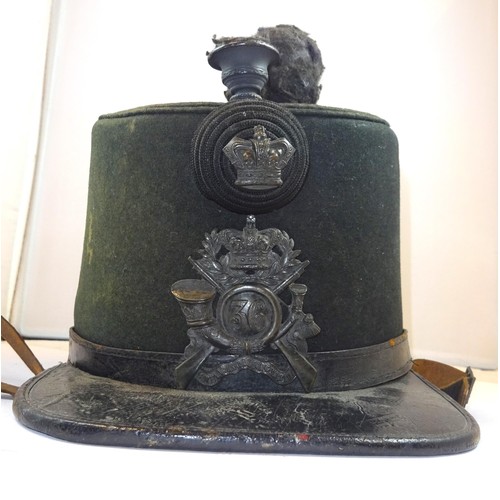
(336, 370)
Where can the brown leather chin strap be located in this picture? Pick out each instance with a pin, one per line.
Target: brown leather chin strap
(454, 382)
(16, 341)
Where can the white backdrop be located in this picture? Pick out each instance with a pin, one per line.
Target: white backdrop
(429, 67)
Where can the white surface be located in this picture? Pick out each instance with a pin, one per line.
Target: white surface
(21, 101)
(427, 66)
(48, 468)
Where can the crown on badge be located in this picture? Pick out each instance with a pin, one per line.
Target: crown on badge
(259, 160)
(250, 248)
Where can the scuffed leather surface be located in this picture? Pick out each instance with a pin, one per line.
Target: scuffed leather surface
(403, 417)
(336, 371)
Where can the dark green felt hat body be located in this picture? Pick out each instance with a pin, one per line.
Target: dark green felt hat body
(148, 214)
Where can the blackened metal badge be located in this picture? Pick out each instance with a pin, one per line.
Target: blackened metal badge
(243, 274)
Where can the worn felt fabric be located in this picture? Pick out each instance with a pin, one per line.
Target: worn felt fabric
(146, 216)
